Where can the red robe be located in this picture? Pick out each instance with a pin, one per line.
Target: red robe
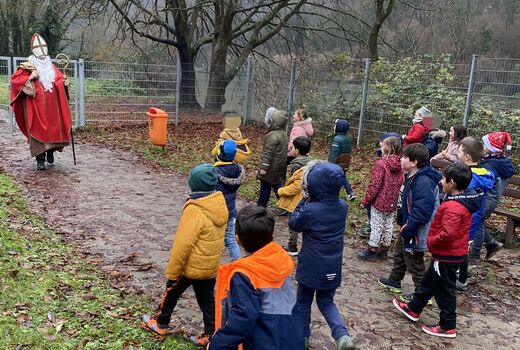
(44, 117)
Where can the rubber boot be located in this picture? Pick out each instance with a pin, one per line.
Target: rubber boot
(345, 343)
(40, 161)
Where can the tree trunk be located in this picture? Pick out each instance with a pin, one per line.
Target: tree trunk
(216, 92)
(372, 42)
(188, 97)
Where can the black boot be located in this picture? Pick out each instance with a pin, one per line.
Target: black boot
(50, 156)
(40, 161)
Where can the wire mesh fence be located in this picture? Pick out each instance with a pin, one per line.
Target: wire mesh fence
(374, 97)
(5, 73)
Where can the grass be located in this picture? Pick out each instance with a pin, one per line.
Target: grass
(51, 298)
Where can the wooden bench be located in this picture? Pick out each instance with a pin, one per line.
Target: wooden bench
(513, 219)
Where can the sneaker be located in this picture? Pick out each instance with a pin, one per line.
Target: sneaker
(439, 332)
(405, 310)
(364, 232)
(292, 251)
(201, 341)
(369, 254)
(150, 324)
(461, 286)
(393, 286)
(382, 254)
(345, 343)
(493, 248)
(40, 164)
(351, 197)
(50, 157)
(281, 212)
(406, 298)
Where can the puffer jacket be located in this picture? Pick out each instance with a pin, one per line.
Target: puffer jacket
(416, 134)
(420, 201)
(243, 150)
(274, 154)
(255, 303)
(321, 219)
(341, 144)
(230, 177)
(199, 239)
(503, 168)
(448, 235)
(385, 183)
(481, 180)
(292, 193)
(301, 128)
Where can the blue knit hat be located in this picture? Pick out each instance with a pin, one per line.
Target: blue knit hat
(203, 178)
(227, 151)
(342, 125)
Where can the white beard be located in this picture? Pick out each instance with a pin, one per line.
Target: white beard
(45, 70)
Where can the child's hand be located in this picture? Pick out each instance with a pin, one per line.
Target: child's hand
(262, 172)
(403, 136)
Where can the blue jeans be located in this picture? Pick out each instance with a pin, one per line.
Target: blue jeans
(481, 237)
(325, 302)
(230, 241)
(265, 193)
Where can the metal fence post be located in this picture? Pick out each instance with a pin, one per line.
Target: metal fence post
(9, 108)
(364, 98)
(248, 91)
(292, 92)
(177, 89)
(472, 73)
(81, 67)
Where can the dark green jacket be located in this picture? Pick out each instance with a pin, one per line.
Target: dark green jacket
(341, 144)
(274, 154)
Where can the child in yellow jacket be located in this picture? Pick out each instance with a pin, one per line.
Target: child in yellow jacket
(232, 131)
(292, 193)
(195, 254)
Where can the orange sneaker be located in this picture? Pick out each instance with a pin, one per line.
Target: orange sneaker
(150, 324)
(201, 341)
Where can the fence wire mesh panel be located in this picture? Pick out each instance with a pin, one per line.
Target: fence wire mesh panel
(71, 71)
(271, 86)
(122, 92)
(496, 99)
(330, 89)
(207, 90)
(5, 72)
(397, 89)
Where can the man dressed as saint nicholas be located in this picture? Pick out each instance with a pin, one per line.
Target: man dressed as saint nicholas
(39, 101)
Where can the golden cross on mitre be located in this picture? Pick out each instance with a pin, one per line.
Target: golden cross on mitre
(38, 45)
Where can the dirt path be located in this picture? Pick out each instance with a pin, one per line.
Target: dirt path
(122, 211)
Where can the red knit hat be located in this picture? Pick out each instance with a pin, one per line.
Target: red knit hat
(497, 141)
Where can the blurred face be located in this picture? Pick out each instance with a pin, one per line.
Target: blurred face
(452, 133)
(407, 164)
(463, 156)
(296, 117)
(447, 186)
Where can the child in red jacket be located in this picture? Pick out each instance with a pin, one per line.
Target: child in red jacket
(381, 195)
(448, 244)
(418, 131)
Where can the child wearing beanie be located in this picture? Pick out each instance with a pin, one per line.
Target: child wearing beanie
(418, 131)
(195, 254)
(341, 150)
(232, 131)
(230, 176)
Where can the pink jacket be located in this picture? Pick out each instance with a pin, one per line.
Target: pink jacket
(385, 183)
(302, 128)
(450, 153)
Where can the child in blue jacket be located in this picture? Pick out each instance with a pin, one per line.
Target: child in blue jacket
(470, 153)
(320, 217)
(502, 167)
(420, 200)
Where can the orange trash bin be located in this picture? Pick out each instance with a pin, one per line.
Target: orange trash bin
(157, 126)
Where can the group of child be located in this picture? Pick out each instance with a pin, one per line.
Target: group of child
(250, 303)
